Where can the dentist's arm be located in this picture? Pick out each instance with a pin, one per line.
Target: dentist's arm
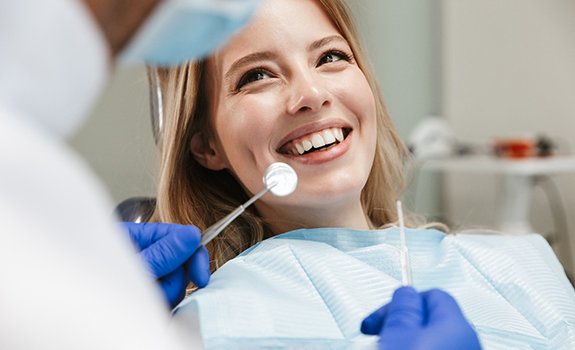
(430, 320)
(171, 254)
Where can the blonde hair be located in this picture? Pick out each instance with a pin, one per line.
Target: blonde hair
(188, 193)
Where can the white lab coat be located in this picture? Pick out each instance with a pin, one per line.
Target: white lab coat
(69, 279)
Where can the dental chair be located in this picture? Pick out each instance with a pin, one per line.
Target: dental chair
(140, 209)
(136, 209)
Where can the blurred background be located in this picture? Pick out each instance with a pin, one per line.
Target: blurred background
(486, 69)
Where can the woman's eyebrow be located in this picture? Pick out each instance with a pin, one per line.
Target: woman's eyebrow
(325, 41)
(247, 60)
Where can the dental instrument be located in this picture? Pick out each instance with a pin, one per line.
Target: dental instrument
(404, 254)
(279, 178)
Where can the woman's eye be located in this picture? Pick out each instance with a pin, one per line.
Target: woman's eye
(333, 56)
(251, 76)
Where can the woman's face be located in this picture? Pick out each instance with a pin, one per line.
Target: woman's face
(289, 90)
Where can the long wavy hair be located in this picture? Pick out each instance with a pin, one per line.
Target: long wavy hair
(188, 193)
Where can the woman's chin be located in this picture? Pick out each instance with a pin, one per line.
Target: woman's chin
(321, 200)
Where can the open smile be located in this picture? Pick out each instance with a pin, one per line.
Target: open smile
(318, 141)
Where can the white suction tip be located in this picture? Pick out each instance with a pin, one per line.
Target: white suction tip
(280, 178)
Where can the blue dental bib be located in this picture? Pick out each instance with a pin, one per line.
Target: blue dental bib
(311, 288)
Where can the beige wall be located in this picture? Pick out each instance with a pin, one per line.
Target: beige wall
(509, 67)
(117, 139)
(404, 42)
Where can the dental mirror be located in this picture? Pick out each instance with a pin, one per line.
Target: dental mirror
(279, 178)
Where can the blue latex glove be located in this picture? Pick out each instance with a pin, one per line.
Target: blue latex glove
(171, 253)
(429, 320)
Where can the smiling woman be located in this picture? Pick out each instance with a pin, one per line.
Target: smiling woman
(294, 87)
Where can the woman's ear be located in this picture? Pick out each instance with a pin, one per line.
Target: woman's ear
(207, 153)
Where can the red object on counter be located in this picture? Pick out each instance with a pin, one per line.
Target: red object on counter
(516, 148)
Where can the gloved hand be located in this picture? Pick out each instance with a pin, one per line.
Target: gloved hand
(429, 320)
(171, 253)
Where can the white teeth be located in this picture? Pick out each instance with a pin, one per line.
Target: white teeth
(328, 136)
(299, 148)
(316, 140)
(338, 134)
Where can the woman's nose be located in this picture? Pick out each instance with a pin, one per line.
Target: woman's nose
(307, 95)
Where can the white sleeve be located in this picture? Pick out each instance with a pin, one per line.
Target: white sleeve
(54, 62)
(69, 279)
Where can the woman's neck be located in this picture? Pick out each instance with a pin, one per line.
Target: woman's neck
(288, 219)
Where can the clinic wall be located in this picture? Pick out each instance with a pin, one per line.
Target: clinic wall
(509, 68)
(402, 41)
(117, 139)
